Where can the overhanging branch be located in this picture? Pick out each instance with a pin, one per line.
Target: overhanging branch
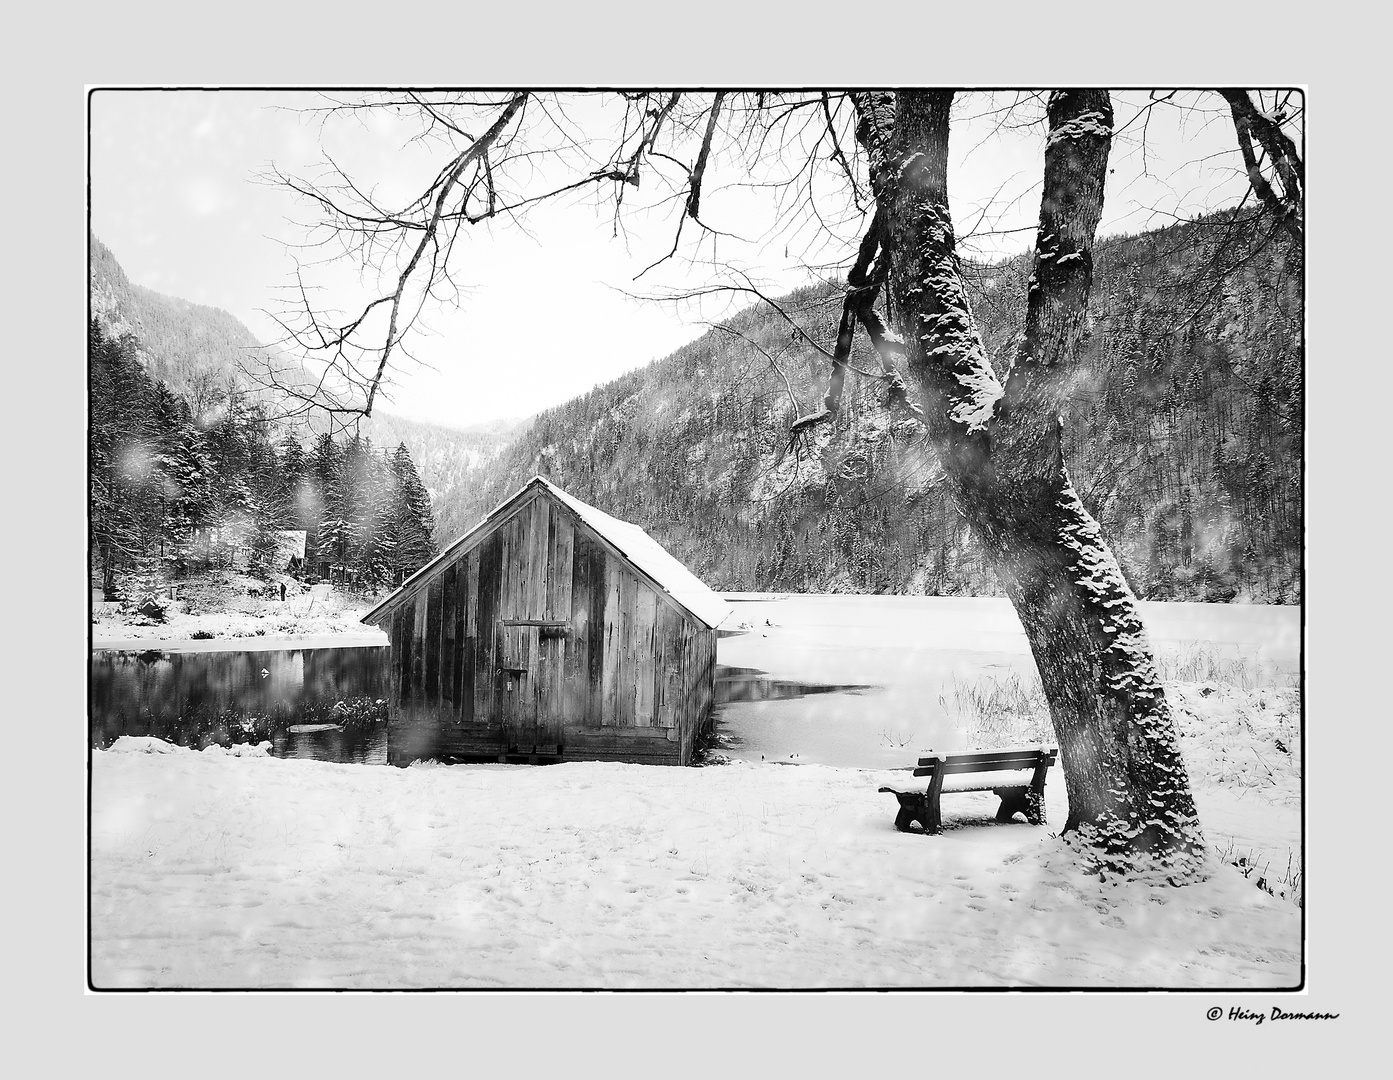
(1283, 158)
(699, 169)
(864, 282)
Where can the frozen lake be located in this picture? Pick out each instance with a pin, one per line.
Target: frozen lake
(853, 681)
(915, 651)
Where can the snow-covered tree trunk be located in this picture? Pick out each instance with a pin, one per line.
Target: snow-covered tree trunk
(1129, 795)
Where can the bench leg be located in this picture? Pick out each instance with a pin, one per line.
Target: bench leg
(1012, 802)
(913, 807)
(1025, 801)
(1035, 807)
(916, 806)
(933, 819)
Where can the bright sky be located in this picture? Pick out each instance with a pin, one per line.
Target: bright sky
(173, 195)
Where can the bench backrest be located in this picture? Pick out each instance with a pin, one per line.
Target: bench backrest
(987, 760)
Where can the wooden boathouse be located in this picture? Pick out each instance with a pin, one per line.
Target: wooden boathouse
(550, 632)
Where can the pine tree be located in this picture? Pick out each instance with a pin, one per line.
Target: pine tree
(331, 530)
(293, 488)
(415, 525)
(381, 558)
(182, 479)
(117, 393)
(368, 510)
(295, 499)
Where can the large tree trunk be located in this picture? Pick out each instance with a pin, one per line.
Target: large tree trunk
(1129, 797)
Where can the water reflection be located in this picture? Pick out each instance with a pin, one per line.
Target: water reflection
(749, 720)
(325, 742)
(752, 684)
(198, 698)
(321, 704)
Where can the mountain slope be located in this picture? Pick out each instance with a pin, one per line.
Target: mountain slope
(197, 349)
(1184, 438)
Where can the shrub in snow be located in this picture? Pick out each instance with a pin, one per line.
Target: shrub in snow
(357, 714)
(145, 744)
(152, 607)
(261, 749)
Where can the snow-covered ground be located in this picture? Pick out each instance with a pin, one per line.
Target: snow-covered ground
(216, 870)
(210, 869)
(228, 613)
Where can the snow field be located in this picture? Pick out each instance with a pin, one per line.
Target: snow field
(248, 621)
(216, 870)
(219, 870)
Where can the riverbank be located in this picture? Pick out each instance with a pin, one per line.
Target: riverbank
(205, 615)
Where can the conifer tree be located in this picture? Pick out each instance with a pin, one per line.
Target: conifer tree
(415, 525)
(116, 395)
(367, 503)
(331, 530)
(295, 501)
(381, 557)
(181, 478)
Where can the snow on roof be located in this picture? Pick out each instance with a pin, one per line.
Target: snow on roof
(635, 544)
(649, 556)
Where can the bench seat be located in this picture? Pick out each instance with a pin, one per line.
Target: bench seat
(1015, 774)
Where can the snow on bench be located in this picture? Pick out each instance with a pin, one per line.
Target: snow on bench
(1015, 773)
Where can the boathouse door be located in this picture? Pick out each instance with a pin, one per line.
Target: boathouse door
(530, 675)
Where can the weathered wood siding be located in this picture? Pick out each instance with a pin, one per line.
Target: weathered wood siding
(539, 640)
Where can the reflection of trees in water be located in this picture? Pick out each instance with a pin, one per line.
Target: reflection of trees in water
(194, 699)
(197, 699)
(752, 684)
(365, 744)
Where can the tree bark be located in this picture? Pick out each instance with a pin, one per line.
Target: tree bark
(1129, 796)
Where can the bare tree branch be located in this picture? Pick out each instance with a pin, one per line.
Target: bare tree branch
(863, 285)
(837, 154)
(699, 169)
(773, 363)
(1283, 158)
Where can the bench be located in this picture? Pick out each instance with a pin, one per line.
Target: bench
(1018, 793)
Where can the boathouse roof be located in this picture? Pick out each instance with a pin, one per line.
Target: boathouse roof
(628, 539)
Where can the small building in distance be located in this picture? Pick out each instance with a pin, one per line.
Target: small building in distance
(550, 632)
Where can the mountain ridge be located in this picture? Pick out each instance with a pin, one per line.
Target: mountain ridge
(1184, 436)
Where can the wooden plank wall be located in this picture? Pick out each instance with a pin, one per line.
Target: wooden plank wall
(489, 559)
(631, 678)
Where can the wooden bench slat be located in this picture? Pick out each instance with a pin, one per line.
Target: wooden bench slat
(1005, 766)
(973, 761)
(959, 788)
(1022, 792)
(972, 755)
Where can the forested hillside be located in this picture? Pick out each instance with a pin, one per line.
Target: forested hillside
(189, 474)
(198, 351)
(191, 347)
(446, 457)
(173, 496)
(1185, 437)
